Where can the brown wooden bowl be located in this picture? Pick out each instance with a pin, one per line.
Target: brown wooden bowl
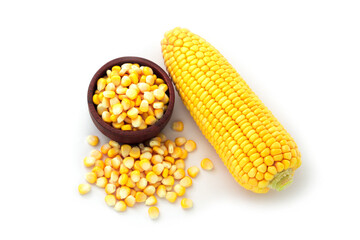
(130, 137)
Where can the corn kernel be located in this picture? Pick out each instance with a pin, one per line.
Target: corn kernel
(147, 71)
(123, 179)
(151, 177)
(168, 181)
(179, 141)
(150, 120)
(159, 113)
(161, 191)
(207, 164)
(135, 152)
(193, 171)
(178, 126)
(129, 162)
(186, 182)
(149, 97)
(144, 106)
(124, 191)
(135, 176)
(105, 148)
(96, 154)
(130, 201)
(84, 188)
(89, 161)
(92, 140)
(110, 200)
(179, 174)
(120, 206)
(140, 197)
(159, 94)
(186, 203)
(142, 183)
(149, 190)
(151, 201)
(153, 212)
(125, 81)
(171, 196)
(110, 188)
(91, 177)
(101, 84)
(101, 182)
(179, 190)
(145, 164)
(190, 146)
(125, 150)
(98, 171)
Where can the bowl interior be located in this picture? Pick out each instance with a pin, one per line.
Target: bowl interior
(138, 136)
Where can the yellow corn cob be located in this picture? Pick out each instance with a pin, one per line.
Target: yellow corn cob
(253, 145)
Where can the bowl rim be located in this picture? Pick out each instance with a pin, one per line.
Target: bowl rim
(142, 62)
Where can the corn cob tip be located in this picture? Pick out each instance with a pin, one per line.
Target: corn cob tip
(282, 180)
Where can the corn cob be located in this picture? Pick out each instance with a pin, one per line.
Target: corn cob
(253, 145)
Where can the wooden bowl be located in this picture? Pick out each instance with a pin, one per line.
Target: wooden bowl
(130, 137)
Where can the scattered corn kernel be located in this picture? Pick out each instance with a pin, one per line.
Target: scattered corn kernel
(84, 188)
(186, 203)
(131, 174)
(171, 196)
(151, 201)
(179, 141)
(190, 146)
(101, 182)
(179, 190)
(153, 212)
(120, 206)
(91, 177)
(92, 140)
(178, 126)
(89, 161)
(193, 171)
(207, 164)
(186, 182)
(110, 200)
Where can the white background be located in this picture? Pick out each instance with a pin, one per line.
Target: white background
(302, 58)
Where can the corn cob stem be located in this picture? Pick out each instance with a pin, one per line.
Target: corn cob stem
(282, 180)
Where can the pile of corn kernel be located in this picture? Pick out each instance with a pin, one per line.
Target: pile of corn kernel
(131, 97)
(142, 173)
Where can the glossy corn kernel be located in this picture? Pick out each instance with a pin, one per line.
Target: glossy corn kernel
(179, 141)
(178, 126)
(186, 203)
(91, 177)
(171, 196)
(207, 164)
(150, 201)
(190, 146)
(101, 182)
(153, 212)
(110, 200)
(229, 114)
(92, 140)
(193, 171)
(186, 182)
(89, 161)
(84, 188)
(120, 206)
(179, 190)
